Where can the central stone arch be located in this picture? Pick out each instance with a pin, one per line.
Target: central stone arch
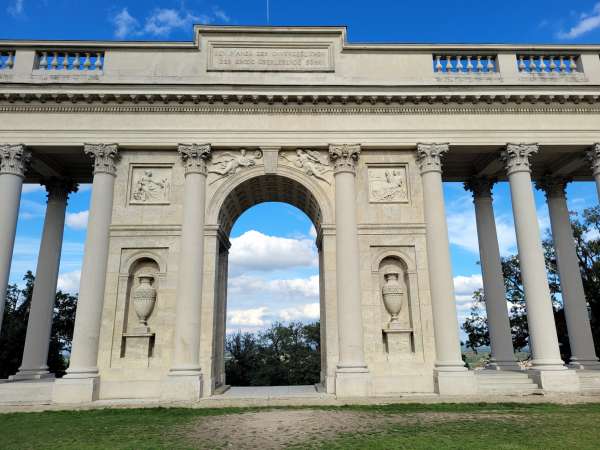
(225, 205)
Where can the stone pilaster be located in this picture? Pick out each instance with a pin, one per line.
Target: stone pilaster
(583, 353)
(39, 325)
(451, 376)
(503, 357)
(80, 384)
(13, 164)
(352, 374)
(185, 377)
(546, 361)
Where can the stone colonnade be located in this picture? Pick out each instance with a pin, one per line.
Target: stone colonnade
(352, 375)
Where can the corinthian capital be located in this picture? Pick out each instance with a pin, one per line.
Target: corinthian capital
(344, 157)
(194, 157)
(59, 188)
(593, 155)
(516, 157)
(553, 186)
(429, 157)
(480, 186)
(104, 156)
(14, 159)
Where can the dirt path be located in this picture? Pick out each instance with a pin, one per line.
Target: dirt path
(277, 429)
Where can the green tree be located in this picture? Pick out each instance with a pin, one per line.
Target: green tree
(279, 356)
(14, 328)
(586, 232)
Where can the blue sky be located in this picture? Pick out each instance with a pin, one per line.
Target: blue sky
(266, 283)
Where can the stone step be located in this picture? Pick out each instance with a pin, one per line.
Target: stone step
(516, 383)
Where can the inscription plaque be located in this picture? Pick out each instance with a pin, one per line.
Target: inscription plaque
(271, 58)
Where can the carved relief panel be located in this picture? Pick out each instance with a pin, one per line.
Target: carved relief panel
(312, 162)
(150, 184)
(388, 184)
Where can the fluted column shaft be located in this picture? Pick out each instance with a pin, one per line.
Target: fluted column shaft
(84, 354)
(350, 328)
(441, 284)
(186, 356)
(581, 341)
(39, 325)
(503, 356)
(13, 161)
(540, 317)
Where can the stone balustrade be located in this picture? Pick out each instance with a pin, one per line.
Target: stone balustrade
(548, 64)
(7, 59)
(464, 63)
(69, 60)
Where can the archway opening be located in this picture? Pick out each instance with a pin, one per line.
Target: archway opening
(270, 294)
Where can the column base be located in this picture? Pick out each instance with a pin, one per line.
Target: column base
(352, 382)
(511, 365)
(584, 364)
(31, 374)
(454, 382)
(76, 390)
(179, 387)
(555, 380)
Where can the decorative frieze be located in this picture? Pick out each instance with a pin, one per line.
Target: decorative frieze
(429, 157)
(59, 188)
(312, 162)
(553, 186)
(344, 157)
(388, 184)
(194, 157)
(105, 157)
(593, 156)
(150, 184)
(14, 159)
(227, 164)
(516, 157)
(480, 186)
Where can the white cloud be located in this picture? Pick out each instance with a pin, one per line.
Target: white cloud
(30, 187)
(587, 22)
(464, 286)
(125, 24)
(254, 317)
(257, 251)
(221, 15)
(310, 311)
(30, 209)
(312, 232)
(16, 8)
(304, 288)
(77, 221)
(69, 282)
(163, 20)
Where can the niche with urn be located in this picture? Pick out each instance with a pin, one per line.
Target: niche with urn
(394, 292)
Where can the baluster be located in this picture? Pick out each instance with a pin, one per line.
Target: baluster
(54, 64)
(459, 66)
(479, 64)
(11, 60)
(543, 65)
(438, 63)
(522, 65)
(44, 61)
(76, 62)
(552, 64)
(532, 64)
(87, 63)
(99, 64)
(563, 66)
(65, 63)
(490, 64)
(469, 64)
(572, 64)
(448, 64)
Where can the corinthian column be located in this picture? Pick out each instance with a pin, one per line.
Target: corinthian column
(583, 353)
(13, 161)
(593, 156)
(503, 356)
(80, 384)
(35, 356)
(185, 376)
(540, 317)
(352, 376)
(441, 284)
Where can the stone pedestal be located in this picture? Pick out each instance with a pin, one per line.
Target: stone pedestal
(181, 388)
(455, 383)
(398, 340)
(76, 390)
(555, 380)
(352, 382)
(138, 348)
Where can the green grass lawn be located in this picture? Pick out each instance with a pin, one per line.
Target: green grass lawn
(410, 426)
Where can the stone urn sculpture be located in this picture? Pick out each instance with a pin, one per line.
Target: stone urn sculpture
(144, 299)
(393, 295)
